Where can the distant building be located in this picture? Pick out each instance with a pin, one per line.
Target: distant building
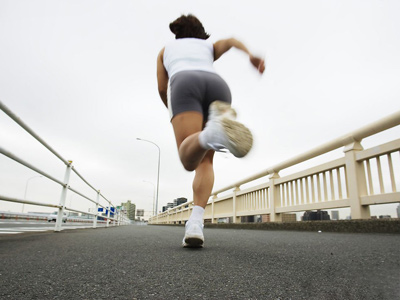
(247, 219)
(265, 218)
(223, 220)
(335, 215)
(177, 202)
(180, 201)
(385, 217)
(315, 215)
(289, 218)
(130, 209)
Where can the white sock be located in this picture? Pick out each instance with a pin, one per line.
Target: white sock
(203, 140)
(197, 214)
(212, 136)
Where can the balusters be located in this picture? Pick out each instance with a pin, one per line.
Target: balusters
(381, 185)
(369, 175)
(339, 181)
(391, 172)
(325, 186)
(319, 188)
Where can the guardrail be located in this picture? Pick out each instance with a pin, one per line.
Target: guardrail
(356, 180)
(120, 219)
(5, 215)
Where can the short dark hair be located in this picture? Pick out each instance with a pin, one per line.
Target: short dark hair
(188, 27)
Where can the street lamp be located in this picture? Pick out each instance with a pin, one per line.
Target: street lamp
(26, 190)
(158, 173)
(154, 194)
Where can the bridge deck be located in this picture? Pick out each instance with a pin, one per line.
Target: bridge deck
(147, 262)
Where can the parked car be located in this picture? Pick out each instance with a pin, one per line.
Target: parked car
(53, 217)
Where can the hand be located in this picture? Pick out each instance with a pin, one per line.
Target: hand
(258, 63)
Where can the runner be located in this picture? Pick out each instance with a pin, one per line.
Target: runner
(196, 95)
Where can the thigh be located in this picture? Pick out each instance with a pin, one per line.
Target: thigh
(186, 124)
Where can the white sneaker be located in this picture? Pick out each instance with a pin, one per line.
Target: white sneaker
(194, 237)
(223, 132)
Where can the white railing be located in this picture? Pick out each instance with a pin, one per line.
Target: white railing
(356, 180)
(40, 217)
(118, 219)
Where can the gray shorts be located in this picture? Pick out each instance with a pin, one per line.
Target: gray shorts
(195, 91)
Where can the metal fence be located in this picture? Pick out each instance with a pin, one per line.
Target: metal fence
(100, 201)
(355, 181)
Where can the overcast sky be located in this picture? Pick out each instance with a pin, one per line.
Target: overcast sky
(82, 74)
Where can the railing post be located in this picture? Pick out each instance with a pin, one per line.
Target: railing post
(356, 181)
(275, 198)
(234, 217)
(108, 214)
(96, 209)
(63, 197)
(212, 208)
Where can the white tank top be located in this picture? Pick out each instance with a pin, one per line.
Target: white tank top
(188, 54)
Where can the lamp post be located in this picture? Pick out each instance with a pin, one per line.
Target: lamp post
(26, 190)
(158, 173)
(154, 195)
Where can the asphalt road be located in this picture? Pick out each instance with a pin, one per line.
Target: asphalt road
(147, 262)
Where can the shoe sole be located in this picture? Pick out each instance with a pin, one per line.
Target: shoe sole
(240, 137)
(224, 108)
(193, 242)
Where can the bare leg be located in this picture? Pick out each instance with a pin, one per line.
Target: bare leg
(187, 127)
(204, 180)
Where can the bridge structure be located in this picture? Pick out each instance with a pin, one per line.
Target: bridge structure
(148, 262)
(357, 180)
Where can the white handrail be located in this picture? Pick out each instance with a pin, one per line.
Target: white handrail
(355, 136)
(61, 206)
(17, 200)
(17, 120)
(28, 165)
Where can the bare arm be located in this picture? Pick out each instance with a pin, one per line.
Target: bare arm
(223, 46)
(162, 78)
